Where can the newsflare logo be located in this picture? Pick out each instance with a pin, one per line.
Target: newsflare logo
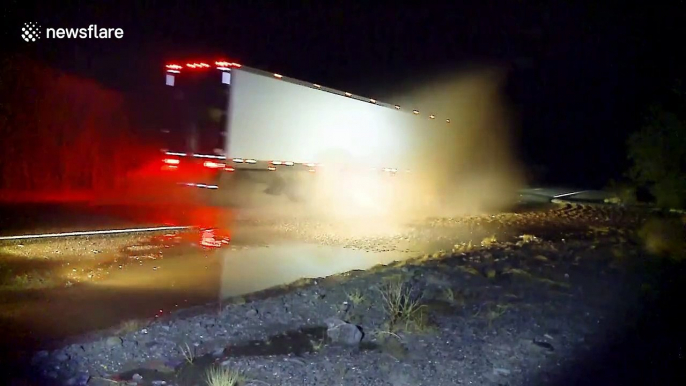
(32, 32)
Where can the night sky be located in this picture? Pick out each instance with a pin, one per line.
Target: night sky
(581, 77)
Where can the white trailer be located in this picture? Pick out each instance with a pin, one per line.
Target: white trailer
(278, 124)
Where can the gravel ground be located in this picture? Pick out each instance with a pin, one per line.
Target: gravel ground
(573, 301)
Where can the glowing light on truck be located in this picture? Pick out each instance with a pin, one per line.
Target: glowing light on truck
(213, 165)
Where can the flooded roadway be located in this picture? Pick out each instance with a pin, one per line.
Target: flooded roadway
(55, 289)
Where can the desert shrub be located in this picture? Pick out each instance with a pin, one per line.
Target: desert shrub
(658, 156)
(665, 237)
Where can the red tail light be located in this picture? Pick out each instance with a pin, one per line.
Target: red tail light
(171, 161)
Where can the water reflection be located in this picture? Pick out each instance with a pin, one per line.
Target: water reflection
(258, 268)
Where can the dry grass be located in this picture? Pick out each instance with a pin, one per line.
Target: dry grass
(188, 354)
(403, 307)
(221, 376)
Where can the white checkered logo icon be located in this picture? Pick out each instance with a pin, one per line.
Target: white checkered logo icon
(30, 32)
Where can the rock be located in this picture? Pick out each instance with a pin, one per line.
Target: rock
(343, 308)
(159, 383)
(440, 281)
(162, 367)
(137, 377)
(79, 380)
(501, 371)
(114, 341)
(218, 352)
(251, 313)
(342, 332)
(62, 357)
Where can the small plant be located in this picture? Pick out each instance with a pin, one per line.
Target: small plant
(317, 344)
(517, 271)
(495, 313)
(601, 230)
(664, 237)
(526, 238)
(402, 307)
(449, 295)
(356, 297)
(188, 354)
(468, 269)
(488, 241)
(221, 376)
(463, 247)
(492, 313)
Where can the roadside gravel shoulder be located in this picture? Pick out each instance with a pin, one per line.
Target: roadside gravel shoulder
(515, 313)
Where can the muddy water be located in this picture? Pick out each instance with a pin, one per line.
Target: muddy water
(150, 280)
(253, 269)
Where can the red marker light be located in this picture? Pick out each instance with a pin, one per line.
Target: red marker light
(174, 67)
(171, 161)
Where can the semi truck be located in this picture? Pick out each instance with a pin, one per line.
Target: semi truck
(243, 133)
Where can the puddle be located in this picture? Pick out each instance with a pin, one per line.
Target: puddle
(289, 343)
(296, 342)
(254, 269)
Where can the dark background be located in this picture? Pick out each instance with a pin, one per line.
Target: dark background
(582, 76)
